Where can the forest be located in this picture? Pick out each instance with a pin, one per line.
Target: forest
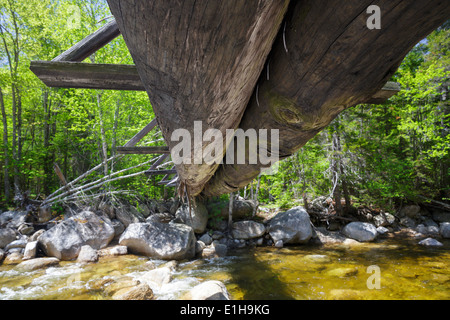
(376, 155)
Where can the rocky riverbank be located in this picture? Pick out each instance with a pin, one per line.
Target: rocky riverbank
(174, 232)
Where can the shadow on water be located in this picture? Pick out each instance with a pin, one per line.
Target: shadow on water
(257, 281)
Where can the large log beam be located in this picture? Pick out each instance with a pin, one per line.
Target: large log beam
(325, 60)
(198, 60)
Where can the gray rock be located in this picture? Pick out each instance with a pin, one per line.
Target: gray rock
(247, 229)
(36, 235)
(2, 255)
(430, 242)
(112, 251)
(87, 254)
(444, 229)
(7, 235)
(169, 241)
(64, 241)
(196, 216)
(411, 211)
(292, 226)
(118, 226)
(360, 231)
(209, 290)
(25, 229)
(214, 250)
(20, 243)
(407, 222)
(12, 219)
(206, 239)
(383, 219)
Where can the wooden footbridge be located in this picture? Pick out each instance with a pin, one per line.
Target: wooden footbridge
(262, 64)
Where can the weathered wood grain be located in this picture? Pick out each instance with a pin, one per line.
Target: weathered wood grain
(325, 60)
(87, 75)
(198, 60)
(91, 43)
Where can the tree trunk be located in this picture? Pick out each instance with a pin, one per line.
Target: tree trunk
(6, 184)
(325, 60)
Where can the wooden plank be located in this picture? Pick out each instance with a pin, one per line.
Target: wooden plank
(87, 75)
(91, 43)
(389, 89)
(155, 172)
(133, 141)
(143, 150)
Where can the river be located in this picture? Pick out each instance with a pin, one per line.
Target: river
(388, 269)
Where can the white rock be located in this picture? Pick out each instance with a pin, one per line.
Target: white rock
(360, 231)
(430, 242)
(209, 290)
(30, 250)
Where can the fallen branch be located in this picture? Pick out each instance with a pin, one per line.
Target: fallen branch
(98, 182)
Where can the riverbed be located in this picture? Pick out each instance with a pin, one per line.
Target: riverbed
(387, 269)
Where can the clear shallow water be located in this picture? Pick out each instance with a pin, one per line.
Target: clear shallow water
(405, 271)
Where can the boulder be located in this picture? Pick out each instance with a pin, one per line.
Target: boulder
(411, 211)
(2, 255)
(360, 231)
(247, 229)
(87, 254)
(208, 290)
(430, 242)
(292, 226)
(64, 241)
(444, 229)
(7, 235)
(169, 241)
(38, 263)
(196, 216)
